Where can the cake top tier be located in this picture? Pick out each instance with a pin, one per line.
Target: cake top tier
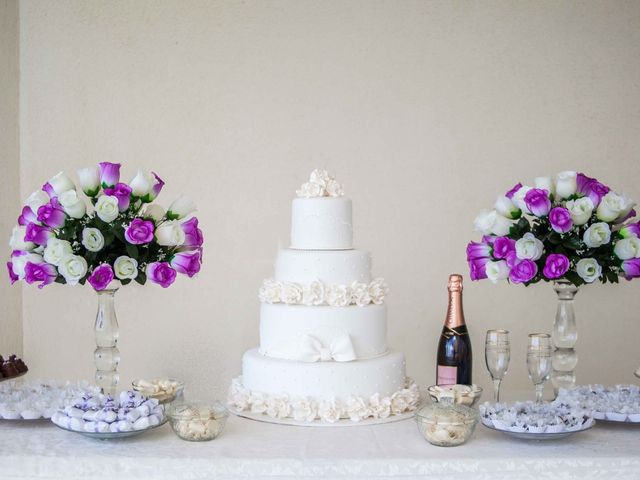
(320, 184)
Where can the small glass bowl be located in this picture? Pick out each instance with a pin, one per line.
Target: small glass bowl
(446, 425)
(467, 395)
(197, 422)
(163, 396)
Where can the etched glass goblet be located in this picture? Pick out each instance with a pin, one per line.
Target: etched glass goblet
(539, 361)
(497, 353)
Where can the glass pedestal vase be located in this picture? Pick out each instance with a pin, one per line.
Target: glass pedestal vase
(565, 335)
(106, 355)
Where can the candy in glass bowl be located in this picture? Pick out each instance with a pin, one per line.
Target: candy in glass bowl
(165, 390)
(197, 421)
(467, 395)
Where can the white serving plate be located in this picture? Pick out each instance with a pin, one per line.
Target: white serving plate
(537, 436)
(112, 435)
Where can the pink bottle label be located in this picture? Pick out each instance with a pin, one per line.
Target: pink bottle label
(447, 375)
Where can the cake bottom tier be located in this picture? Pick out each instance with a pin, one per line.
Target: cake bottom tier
(326, 391)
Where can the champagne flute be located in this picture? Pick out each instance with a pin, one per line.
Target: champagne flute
(539, 361)
(497, 353)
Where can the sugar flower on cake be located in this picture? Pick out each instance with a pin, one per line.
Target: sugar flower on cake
(278, 407)
(338, 295)
(291, 293)
(380, 406)
(313, 294)
(568, 227)
(360, 294)
(320, 184)
(258, 401)
(270, 291)
(378, 290)
(330, 410)
(304, 409)
(239, 397)
(356, 409)
(105, 231)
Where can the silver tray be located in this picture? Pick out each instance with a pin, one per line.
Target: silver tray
(537, 436)
(113, 435)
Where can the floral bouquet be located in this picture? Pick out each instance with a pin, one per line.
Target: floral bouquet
(121, 236)
(570, 228)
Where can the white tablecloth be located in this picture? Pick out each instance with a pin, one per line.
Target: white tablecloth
(259, 450)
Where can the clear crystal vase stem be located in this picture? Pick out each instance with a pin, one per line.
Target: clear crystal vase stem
(565, 335)
(106, 355)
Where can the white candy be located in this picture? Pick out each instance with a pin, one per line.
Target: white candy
(90, 426)
(141, 424)
(76, 424)
(91, 415)
(143, 410)
(110, 416)
(124, 426)
(114, 427)
(154, 420)
(102, 427)
(133, 415)
(31, 414)
(74, 412)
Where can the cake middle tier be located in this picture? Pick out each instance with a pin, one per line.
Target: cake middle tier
(299, 332)
(324, 380)
(340, 267)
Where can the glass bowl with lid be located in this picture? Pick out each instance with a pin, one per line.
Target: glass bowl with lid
(197, 421)
(467, 395)
(446, 424)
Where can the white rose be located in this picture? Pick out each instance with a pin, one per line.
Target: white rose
(72, 205)
(378, 290)
(492, 223)
(580, 210)
(239, 397)
(614, 207)
(17, 242)
(545, 183)
(334, 189)
(597, 235)
(56, 250)
(61, 183)
(180, 208)
(36, 200)
(380, 407)
(505, 207)
(107, 208)
(400, 402)
(125, 268)
(270, 291)
(310, 190)
(330, 411)
(142, 183)
(566, 184)
(627, 248)
(497, 271)
(170, 234)
(320, 177)
(154, 211)
(360, 294)
(90, 180)
(73, 268)
(529, 247)
(305, 410)
(356, 409)
(338, 296)
(313, 294)
(589, 269)
(19, 262)
(291, 294)
(92, 239)
(258, 402)
(278, 407)
(518, 198)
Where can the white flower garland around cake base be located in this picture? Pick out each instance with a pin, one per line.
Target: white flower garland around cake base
(318, 293)
(308, 410)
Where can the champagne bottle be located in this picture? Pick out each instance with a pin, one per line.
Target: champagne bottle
(454, 349)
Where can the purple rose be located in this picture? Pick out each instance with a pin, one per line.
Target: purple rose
(523, 271)
(27, 217)
(631, 230)
(12, 276)
(101, 277)
(40, 272)
(590, 187)
(51, 216)
(155, 190)
(139, 231)
(478, 268)
(474, 250)
(109, 174)
(556, 266)
(37, 234)
(631, 268)
(560, 219)
(537, 201)
(513, 191)
(632, 213)
(122, 192)
(48, 189)
(187, 263)
(193, 235)
(503, 246)
(161, 273)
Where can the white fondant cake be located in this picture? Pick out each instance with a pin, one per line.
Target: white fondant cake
(323, 324)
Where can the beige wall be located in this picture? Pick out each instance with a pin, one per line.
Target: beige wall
(10, 298)
(425, 111)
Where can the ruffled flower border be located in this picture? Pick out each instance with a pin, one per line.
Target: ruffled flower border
(307, 409)
(318, 293)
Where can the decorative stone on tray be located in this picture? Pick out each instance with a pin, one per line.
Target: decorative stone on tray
(37, 399)
(620, 403)
(97, 413)
(530, 417)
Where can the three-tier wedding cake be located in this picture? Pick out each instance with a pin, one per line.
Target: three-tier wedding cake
(323, 353)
